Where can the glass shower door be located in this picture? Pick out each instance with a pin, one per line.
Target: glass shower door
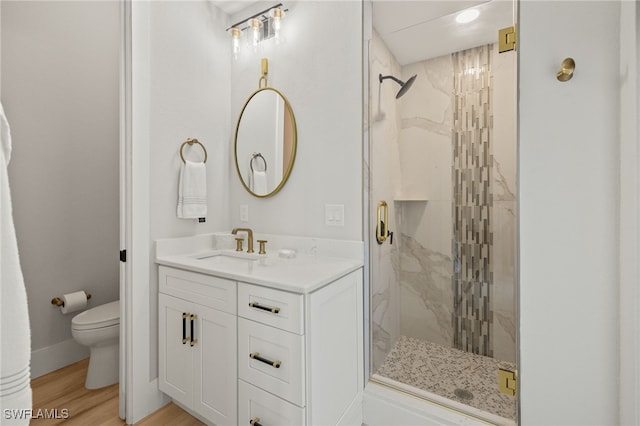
(443, 158)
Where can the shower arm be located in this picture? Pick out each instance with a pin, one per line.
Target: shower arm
(381, 77)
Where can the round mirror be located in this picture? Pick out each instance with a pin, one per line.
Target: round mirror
(265, 144)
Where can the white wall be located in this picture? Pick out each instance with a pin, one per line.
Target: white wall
(319, 69)
(568, 169)
(189, 97)
(60, 93)
(181, 90)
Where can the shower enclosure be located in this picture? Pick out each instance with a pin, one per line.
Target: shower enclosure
(442, 160)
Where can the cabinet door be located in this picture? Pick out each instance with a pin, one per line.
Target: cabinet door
(175, 357)
(215, 380)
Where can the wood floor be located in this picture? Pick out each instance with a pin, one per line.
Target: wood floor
(62, 394)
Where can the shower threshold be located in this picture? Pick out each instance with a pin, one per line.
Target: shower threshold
(449, 377)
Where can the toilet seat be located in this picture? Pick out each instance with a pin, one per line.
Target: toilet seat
(106, 315)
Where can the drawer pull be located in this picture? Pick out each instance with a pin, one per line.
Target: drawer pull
(255, 421)
(193, 341)
(256, 355)
(264, 308)
(184, 327)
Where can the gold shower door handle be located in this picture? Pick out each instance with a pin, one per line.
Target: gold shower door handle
(382, 229)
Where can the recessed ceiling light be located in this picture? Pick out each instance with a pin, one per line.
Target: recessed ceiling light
(467, 16)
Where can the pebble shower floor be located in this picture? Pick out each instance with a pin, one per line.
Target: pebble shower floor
(457, 375)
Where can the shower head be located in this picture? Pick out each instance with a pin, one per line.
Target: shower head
(404, 87)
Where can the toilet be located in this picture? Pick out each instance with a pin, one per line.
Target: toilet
(99, 329)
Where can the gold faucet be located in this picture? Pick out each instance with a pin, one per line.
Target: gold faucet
(249, 237)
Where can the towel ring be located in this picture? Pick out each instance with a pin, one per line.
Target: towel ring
(191, 141)
(253, 157)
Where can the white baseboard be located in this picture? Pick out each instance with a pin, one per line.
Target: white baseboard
(353, 415)
(54, 357)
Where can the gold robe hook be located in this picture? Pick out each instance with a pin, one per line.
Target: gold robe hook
(566, 71)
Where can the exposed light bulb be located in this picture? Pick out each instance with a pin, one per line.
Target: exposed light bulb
(235, 41)
(254, 28)
(276, 18)
(467, 16)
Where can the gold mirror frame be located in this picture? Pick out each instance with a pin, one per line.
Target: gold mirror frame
(294, 143)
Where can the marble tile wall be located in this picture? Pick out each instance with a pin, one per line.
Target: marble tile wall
(425, 213)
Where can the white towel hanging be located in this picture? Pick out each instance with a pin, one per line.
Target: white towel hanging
(15, 334)
(259, 182)
(192, 191)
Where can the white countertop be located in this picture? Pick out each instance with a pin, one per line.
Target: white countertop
(305, 273)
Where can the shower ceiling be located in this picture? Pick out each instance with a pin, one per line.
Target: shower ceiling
(416, 30)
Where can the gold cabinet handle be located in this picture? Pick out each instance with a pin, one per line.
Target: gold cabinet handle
(193, 341)
(256, 356)
(255, 305)
(255, 421)
(184, 327)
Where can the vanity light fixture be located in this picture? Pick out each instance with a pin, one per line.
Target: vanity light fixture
(262, 26)
(467, 16)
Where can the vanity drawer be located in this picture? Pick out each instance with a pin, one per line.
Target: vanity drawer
(273, 307)
(254, 404)
(272, 359)
(214, 292)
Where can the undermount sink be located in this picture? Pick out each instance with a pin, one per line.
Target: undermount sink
(227, 258)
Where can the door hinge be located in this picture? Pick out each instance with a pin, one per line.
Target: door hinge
(123, 255)
(507, 39)
(507, 381)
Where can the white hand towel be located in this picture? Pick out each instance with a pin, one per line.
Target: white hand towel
(192, 191)
(15, 333)
(259, 183)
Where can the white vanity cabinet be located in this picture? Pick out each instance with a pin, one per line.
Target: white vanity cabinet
(268, 342)
(197, 341)
(299, 355)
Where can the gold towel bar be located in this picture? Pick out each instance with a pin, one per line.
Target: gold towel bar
(59, 302)
(191, 141)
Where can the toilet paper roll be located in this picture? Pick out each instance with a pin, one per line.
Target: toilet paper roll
(74, 302)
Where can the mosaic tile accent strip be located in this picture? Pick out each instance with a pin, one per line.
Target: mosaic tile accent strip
(443, 371)
(472, 200)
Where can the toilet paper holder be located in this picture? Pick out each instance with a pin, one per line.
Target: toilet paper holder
(59, 302)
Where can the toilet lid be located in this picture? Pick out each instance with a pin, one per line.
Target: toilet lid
(98, 317)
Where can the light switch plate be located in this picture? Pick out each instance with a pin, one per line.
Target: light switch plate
(334, 214)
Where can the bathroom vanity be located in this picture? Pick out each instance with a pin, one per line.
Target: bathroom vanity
(261, 339)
